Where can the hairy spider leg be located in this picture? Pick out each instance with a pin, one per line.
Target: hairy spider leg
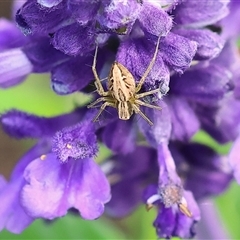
(149, 68)
(104, 105)
(141, 95)
(139, 102)
(138, 111)
(97, 82)
(101, 99)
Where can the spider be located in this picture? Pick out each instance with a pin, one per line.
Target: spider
(122, 91)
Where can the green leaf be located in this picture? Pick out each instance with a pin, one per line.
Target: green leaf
(68, 227)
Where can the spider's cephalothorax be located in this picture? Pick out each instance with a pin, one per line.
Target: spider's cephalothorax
(122, 91)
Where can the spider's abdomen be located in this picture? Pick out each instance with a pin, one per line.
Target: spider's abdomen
(121, 83)
(125, 110)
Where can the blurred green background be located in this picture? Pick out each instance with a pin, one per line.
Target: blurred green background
(35, 96)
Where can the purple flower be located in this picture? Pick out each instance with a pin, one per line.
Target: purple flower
(196, 71)
(52, 188)
(128, 174)
(79, 180)
(12, 215)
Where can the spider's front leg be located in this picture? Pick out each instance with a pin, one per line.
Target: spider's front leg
(97, 82)
(101, 99)
(149, 68)
(102, 108)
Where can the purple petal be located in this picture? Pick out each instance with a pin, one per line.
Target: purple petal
(165, 223)
(42, 147)
(204, 85)
(23, 125)
(33, 18)
(10, 36)
(185, 225)
(204, 178)
(127, 175)
(52, 188)
(49, 3)
(42, 55)
(154, 20)
(142, 52)
(200, 13)
(177, 51)
(12, 215)
(95, 190)
(14, 67)
(74, 39)
(120, 136)
(75, 74)
(172, 223)
(83, 11)
(126, 195)
(184, 120)
(20, 124)
(78, 142)
(161, 129)
(230, 26)
(221, 122)
(128, 165)
(118, 15)
(234, 159)
(210, 44)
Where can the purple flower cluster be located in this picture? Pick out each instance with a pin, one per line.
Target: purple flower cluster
(197, 74)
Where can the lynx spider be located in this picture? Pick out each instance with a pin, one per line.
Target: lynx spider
(122, 90)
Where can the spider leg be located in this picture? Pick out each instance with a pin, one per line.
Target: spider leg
(97, 82)
(140, 95)
(104, 105)
(139, 102)
(101, 99)
(138, 111)
(149, 68)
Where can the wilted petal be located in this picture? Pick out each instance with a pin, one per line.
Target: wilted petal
(200, 13)
(52, 188)
(177, 51)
